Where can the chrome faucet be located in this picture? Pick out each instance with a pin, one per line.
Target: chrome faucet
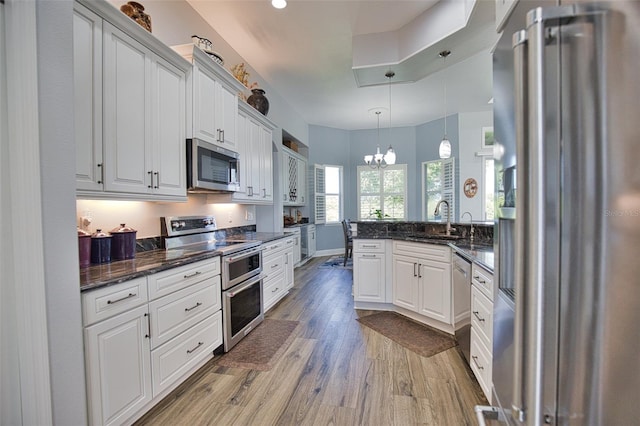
(471, 222)
(437, 212)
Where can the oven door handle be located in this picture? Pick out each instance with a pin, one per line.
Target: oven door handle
(244, 286)
(242, 254)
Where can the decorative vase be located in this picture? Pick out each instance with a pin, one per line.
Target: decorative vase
(135, 11)
(259, 101)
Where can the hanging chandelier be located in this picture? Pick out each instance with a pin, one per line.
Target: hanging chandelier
(445, 145)
(378, 159)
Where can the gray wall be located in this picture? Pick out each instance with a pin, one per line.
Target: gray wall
(412, 145)
(331, 146)
(429, 136)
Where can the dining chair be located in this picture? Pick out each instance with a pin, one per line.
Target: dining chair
(348, 240)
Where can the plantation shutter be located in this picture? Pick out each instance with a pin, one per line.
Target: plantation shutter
(449, 179)
(319, 194)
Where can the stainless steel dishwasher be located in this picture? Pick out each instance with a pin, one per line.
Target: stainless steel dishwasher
(462, 292)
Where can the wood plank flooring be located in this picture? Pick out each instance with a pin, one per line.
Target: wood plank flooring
(336, 372)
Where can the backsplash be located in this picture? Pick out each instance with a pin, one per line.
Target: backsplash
(144, 216)
(156, 243)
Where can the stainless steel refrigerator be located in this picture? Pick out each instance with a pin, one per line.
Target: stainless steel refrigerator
(566, 346)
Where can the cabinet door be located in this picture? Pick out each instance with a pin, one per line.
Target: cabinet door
(435, 290)
(288, 186)
(301, 179)
(243, 148)
(118, 367)
(87, 82)
(368, 277)
(127, 115)
(266, 158)
(289, 265)
(255, 152)
(405, 283)
(312, 240)
(169, 85)
(204, 105)
(227, 113)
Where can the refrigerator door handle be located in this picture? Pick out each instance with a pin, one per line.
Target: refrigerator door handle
(520, 52)
(542, 24)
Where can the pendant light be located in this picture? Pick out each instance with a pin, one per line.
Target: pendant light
(378, 159)
(445, 145)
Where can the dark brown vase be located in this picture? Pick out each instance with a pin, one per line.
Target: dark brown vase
(259, 101)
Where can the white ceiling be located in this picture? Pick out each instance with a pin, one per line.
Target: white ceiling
(305, 53)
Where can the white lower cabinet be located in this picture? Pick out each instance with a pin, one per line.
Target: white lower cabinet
(422, 279)
(118, 367)
(277, 267)
(369, 271)
(145, 336)
(482, 327)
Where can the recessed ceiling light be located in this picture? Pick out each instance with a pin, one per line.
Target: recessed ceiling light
(279, 4)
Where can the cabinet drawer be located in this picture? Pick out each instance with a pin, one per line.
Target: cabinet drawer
(173, 314)
(368, 246)
(481, 364)
(423, 250)
(106, 302)
(275, 246)
(171, 280)
(273, 288)
(483, 279)
(482, 316)
(273, 264)
(177, 357)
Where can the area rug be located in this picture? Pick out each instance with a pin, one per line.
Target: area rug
(337, 262)
(419, 338)
(262, 348)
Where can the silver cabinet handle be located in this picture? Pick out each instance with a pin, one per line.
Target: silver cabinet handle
(477, 278)
(369, 246)
(157, 175)
(192, 275)
(129, 296)
(198, 304)
(475, 361)
(478, 316)
(264, 193)
(150, 173)
(419, 270)
(189, 351)
(369, 255)
(274, 266)
(414, 270)
(222, 140)
(101, 173)
(275, 289)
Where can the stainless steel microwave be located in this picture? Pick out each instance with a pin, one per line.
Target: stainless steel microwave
(211, 167)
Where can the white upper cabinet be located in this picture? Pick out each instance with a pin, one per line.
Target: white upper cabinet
(256, 158)
(130, 109)
(294, 178)
(214, 99)
(87, 70)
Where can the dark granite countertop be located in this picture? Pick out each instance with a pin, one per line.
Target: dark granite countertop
(482, 254)
(153, 261)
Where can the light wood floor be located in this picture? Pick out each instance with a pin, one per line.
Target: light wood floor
(336, 372)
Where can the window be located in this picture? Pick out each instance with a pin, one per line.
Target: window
(382, 193)
(438, 183)
(328, 193)
(488, 192)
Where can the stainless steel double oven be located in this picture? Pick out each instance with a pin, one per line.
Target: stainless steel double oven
(242, 307)
(242, 297)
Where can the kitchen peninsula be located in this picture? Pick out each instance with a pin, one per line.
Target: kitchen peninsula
(406, 267)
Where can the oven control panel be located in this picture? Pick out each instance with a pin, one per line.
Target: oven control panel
(185, 225)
